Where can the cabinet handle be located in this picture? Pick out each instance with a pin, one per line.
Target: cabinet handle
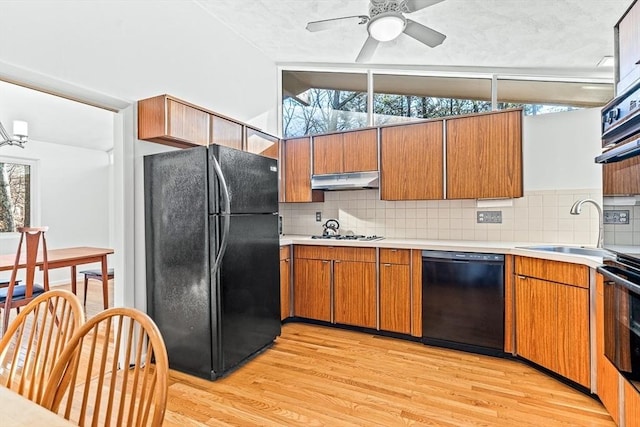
(522, 277)
(337, 260)
(286, 260)
(325, 262)
(394, 250)
(387, 265)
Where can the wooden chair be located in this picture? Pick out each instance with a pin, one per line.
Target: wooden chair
(114, 371)
(17, 294)
(35, 339)
(97, 275)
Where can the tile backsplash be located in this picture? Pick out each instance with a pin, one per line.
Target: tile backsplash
(539, 216)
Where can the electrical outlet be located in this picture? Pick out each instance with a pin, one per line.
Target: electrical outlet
(489, 217)
(616, 216)
(318, 216)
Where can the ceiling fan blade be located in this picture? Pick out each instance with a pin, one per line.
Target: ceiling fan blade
(423, 34)
(368, 49)
(413, 5)
(326, 24)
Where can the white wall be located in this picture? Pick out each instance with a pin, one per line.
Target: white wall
(559, 148)
(73, 188)
(138, 49)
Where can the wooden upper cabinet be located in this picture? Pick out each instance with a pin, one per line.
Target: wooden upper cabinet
(484, 156)
(297, 171)
(169, 121)
(327, 154)
(353, 151)
(226, 132)
(628, 35)
(411, 162)
(621, 178)
(360, 151)
(261, 143)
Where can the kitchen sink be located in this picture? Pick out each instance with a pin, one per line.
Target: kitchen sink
(573, 250)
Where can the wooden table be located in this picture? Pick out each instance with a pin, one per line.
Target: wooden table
(20, 411)
(68, 257)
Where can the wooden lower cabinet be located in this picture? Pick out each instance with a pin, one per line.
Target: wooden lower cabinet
(354, 293)
(285, 282)
(607, 376)
(631, 406)
(336, 284)
(552, 319)
(312, 289)
(572, 335)
(535, 324)
(395, 290)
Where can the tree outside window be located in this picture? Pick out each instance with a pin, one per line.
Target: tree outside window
(15, 196)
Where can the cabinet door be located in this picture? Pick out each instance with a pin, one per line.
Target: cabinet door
(411, 162)
(360, 151)
(285, 288)
(312, 289)
(629, 48)
(484, 156)
(631, 405)
(572, 334)
(535, 325)
(327, 154)
(607, 374)
(395, 298)
(354, 293)
(262, 143)
(226, 132)
(297, 172)
(187, 123)
(621, 178)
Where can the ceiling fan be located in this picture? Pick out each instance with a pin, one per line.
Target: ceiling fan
(385, 22)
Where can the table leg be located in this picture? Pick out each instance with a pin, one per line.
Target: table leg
(73, 280)
(105, 283)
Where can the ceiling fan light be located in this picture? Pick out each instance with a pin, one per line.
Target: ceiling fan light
(386, 26)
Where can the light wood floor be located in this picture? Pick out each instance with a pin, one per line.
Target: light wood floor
(318, 376)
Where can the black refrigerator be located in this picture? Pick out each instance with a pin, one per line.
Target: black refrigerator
(212, 256)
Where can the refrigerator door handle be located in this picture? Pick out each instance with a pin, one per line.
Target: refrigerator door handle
(226, 210)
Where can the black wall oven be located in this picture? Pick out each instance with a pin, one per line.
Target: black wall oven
(622, 317)
(621, 205)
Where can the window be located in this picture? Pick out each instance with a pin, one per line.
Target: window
(316, 103)
(402, 98)
(540, 97)
(16, 194)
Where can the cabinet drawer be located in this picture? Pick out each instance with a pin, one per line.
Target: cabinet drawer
(355, 254)
(394, 256)
(554, 271)
(285, 252)
(314, 252)
(336, 253)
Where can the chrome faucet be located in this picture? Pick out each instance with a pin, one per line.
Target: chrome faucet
(576, 209)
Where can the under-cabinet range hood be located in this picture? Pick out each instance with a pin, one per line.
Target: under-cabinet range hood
(346, 181)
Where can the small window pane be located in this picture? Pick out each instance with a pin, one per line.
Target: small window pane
(540, 97)
(15, 196)
(400, 98)
(315, 103)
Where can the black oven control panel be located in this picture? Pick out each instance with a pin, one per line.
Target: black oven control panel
(621, 117)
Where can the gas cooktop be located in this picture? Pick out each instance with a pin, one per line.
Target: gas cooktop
(359, 237)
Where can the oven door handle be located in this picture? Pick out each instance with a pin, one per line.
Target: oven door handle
(619, 280)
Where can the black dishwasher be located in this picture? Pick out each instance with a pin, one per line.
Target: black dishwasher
(463, 301)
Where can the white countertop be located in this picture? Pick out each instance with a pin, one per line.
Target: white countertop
(513, 248)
